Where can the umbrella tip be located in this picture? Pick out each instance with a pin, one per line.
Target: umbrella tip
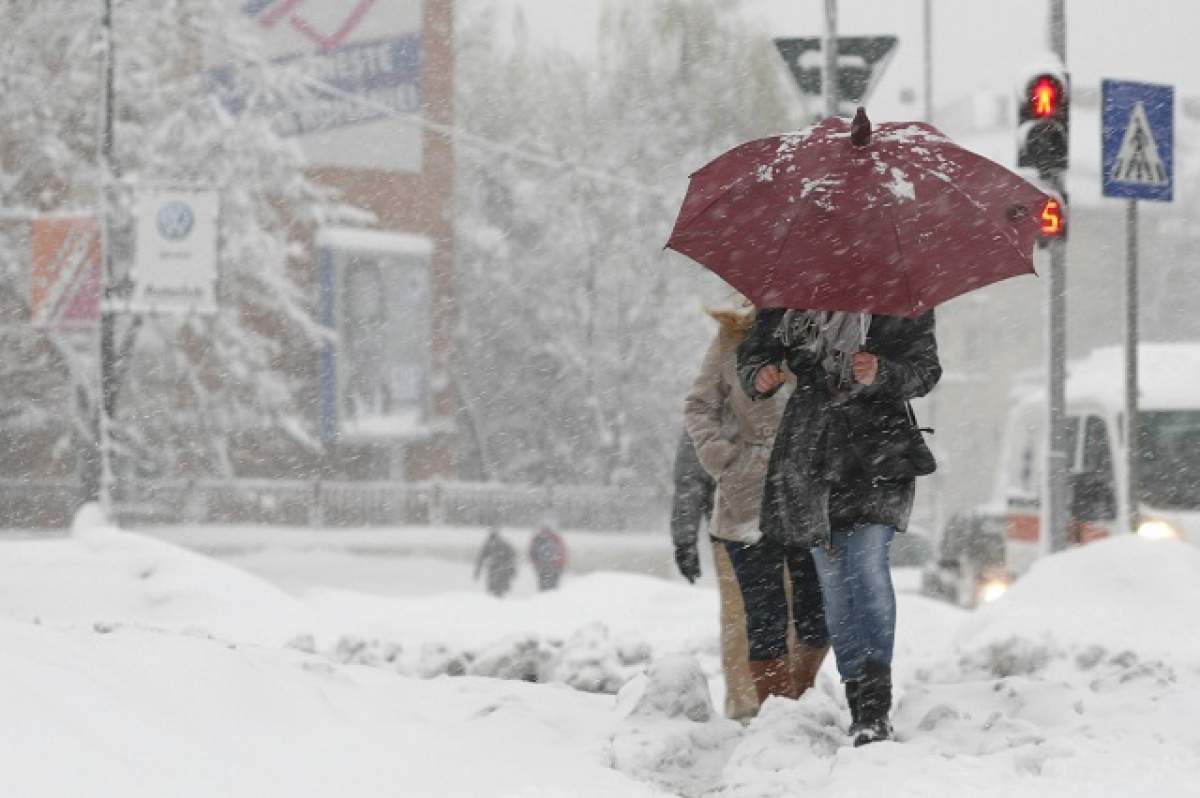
(860, 128)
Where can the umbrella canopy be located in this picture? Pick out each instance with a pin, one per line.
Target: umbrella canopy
(839, 217)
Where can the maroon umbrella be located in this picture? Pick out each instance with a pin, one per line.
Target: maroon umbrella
(837, 217)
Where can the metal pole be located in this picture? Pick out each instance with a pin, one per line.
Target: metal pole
(106, 352)
(1054, 508)
(927, 41)
(830, 47)
(937, 484)
(1058, 29)
(1131, 361)
(1055, 511)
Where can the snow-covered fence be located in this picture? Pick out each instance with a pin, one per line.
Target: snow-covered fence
(29, 504)
(321, 503)
(37, 503)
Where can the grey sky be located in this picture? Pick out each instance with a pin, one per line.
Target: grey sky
(978, 43)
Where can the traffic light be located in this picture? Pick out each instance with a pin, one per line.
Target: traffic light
(1053, 220)
(1044, 123)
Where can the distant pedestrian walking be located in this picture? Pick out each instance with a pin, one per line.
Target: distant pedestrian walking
(500, 559)
(548, 553)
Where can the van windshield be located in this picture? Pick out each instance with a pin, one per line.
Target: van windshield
(1169, 459)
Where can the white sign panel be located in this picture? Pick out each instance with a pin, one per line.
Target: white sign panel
(175, 267)
(355, 73)
(376, 294)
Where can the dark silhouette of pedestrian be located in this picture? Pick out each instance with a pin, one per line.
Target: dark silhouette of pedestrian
(548, 553)
(500, 559)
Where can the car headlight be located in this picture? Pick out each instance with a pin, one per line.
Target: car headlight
(992, 590)
(1157, 530)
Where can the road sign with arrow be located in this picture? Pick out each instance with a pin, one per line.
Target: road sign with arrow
(861, 61)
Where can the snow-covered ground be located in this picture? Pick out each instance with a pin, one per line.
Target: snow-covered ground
(132, 667)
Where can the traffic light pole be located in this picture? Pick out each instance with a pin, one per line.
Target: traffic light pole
(1054, 508)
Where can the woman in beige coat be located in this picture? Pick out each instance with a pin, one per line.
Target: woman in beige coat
(772, 598)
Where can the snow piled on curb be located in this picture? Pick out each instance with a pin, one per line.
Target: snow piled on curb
(103, 574)
(671, 736)
(132, 668)
(1126, 593)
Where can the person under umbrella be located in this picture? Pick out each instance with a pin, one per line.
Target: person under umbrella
(840, 482)
(846, 237)
(772, 612)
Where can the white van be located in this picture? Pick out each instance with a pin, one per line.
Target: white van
(1169, 461)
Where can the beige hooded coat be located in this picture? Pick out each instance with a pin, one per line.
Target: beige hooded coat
(733, 434)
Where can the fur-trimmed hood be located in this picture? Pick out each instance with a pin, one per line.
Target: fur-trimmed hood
(735, 317)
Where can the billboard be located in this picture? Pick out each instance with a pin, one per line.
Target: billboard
(353, 75)
(375, 295)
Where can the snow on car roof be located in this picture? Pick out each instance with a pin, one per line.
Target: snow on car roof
(1168, 377)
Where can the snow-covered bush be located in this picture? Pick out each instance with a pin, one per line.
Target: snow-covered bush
(671, 736)
(588, 661)
(517, 657)
(438, 659)
(633, 650)
(675, 687)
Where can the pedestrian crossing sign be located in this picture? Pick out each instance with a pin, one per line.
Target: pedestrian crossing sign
(1137, 134)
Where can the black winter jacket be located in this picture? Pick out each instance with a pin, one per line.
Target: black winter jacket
(839, 461)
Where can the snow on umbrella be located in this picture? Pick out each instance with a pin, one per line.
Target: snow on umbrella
(837, 217)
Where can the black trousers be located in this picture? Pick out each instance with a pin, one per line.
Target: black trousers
(760, 570)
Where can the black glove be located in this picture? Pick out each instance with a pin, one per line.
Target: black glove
(687, 560)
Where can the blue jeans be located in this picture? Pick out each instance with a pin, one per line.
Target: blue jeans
(760, 575)
(860, 603)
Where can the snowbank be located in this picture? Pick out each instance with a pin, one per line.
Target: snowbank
(1120, 594)
(676, 616)
(103, 575)
(136, 713)
(155, 671)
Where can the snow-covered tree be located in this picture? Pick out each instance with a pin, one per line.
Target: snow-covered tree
(194, 389)
(580, 335)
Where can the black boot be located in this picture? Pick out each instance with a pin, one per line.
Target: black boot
(853, 689)
(874, 704)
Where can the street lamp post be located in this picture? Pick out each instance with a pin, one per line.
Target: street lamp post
(102, 488)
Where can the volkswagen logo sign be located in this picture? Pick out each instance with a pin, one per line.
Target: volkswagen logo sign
(175, 220)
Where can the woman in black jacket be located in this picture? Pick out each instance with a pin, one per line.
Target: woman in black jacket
(841, 476)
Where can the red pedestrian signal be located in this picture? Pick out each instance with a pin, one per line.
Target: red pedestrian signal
(1044, 122)
(1044, 97)
(1054, 224)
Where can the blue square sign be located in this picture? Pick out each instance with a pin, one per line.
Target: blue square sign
(1138, 138)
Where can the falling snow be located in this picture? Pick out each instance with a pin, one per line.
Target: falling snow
(241, 540)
